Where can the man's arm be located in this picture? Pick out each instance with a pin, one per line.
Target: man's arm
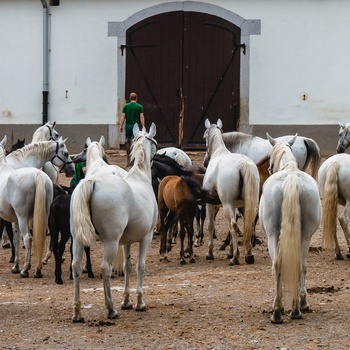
(122, 120)
(142, 120)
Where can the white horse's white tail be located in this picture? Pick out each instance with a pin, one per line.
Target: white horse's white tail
(251, 199)
(118, 262)
(330, 205)
(39, 216)
(84, 230)
(288, 258)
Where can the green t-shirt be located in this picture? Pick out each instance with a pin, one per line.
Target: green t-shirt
(132, 112)
(78, 173)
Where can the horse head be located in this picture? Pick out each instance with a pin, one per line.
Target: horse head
(46, 132)
(2, 148)
(343, 138)
(281, 154)
(62, 159)
(139, 143)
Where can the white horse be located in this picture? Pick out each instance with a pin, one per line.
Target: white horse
(334, 185)
(305, 150)
(234, 179)
(177, 154)
(47, 132)
(290, 213)
(38, 153)
(120, 211)
(25, 198)
(343, 137)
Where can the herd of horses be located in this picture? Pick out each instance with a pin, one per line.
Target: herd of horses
(277, 180)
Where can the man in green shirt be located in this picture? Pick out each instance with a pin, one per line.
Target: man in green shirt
(132, 113)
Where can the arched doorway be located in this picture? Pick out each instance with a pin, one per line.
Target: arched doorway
(188, 61)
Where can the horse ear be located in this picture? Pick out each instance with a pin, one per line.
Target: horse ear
(136, 129)
(152, 130)
(292, 140)
(342, 126)
(207, 123)
(3, 142)
(87, 142)
(54, 124)
(102, 141)
(219, 123)
(271, 140)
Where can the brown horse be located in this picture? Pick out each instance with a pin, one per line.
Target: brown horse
(178, 196)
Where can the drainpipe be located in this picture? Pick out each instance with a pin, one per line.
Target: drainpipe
(45, 61)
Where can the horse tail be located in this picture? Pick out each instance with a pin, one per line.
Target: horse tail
(40, 215)
(313, 157)
(118, 262)
(250, 191)
(81, 223)
(330, 204)
(288, 258)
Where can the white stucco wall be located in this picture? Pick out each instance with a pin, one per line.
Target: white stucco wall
(302, 50)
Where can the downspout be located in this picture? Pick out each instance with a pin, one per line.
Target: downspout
(45, 61)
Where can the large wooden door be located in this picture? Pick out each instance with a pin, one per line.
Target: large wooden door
(185, 68)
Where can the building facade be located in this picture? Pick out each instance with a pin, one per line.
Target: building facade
(260, 66)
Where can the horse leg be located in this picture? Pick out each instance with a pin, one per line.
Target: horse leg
(163, 211)
(226, 242)
(181, 219)
(304, 306)
(27, 238)
(88, 262)
(140, 268)
(16, 239)
(211, 227)
(234, 238)
(58, 250)
(9, 230)
(126, 304)
(110, 252)
(77, 273)
(190, 232)
(277, 306)
(49, 252)
(200, 218)
(343, 220)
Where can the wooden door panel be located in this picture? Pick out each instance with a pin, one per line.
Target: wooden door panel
(190, 51)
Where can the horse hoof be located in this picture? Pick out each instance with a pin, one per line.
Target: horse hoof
(38, 274)
(296, 315)
(229, 256)
(339, 257)
(348, 255)
(24, 274)
(209, 257)
(141, 307)
(6, 246)
(78, 319)
(183, 262)
(113, 315)
(192, 261)
(127, 306)
(91, 275)
(59, 281)
(276, 317)
(249, 259)
(234, 262)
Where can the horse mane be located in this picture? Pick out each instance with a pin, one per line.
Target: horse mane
(215, 139)
(282, 150)
(40, 147)
(95, 154)
(193, 185)
(162, 162)
(138, 153)
(234, 138)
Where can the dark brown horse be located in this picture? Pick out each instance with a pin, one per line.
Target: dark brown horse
(178, 196)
